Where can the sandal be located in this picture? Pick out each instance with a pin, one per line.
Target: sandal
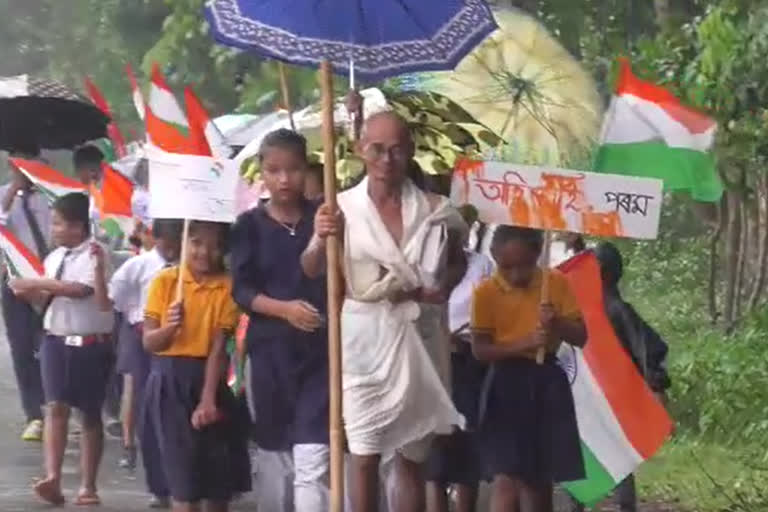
(87, 499)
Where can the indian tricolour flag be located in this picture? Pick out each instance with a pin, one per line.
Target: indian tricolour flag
(20, 261)
(49, 181)
(621, 423)
(113, 201)
(136, 95)
(167, 126)
(648, 132)
(205, 134)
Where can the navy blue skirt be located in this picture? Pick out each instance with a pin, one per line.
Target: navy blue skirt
(209, 464)
(75, 376)
(457, 458)
(132, 359)
(528, 424)
(289, 384)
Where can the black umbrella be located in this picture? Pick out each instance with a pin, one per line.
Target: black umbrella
(42, 113)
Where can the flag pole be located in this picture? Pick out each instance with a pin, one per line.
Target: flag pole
(285, 93)
(546, 252)
(334, 296)
(182, 261)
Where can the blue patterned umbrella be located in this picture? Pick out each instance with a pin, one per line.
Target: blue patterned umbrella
(383, 38)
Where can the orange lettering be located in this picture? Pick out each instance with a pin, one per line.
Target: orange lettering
(601, 224)
(463, 169)
(519, 209)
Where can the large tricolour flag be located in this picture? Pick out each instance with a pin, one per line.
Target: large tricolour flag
(621, 423)
(648, 132)
(20, 261)
(49, 181)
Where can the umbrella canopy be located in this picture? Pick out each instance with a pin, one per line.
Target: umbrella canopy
(241, 129)
(40, 113)
(384, 38)
(525, 87)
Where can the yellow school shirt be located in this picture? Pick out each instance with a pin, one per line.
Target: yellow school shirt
(208, 307)
(510, 313)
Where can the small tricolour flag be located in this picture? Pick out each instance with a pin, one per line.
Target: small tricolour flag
(20, 261)
(648, 132)
(202, 129)
(137, 96)
(621, 423)
(167, 126)
(115, 135)
(236, 352)
(49, 181)
(113, 201)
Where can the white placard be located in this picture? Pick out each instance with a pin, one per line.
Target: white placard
(560, 199)
(192, 187)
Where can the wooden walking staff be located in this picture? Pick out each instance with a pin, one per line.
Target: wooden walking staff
(545, 252)
(333, 254)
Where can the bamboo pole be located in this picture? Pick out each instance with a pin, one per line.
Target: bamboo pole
(546, 251)
(334, 295)
(285, 92)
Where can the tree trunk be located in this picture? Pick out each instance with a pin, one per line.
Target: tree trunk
(732, 245)
(663, 14)
(744, 235)
(714, 262)
(762, 241)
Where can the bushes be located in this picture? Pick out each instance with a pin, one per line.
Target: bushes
(719, 398)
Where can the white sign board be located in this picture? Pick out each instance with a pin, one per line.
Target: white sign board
(192, 187)
(560, 199)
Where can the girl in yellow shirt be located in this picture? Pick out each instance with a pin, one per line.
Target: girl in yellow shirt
(528, 426)
(201, 428)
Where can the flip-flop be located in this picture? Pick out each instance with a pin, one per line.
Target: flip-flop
(86, 499)
(47, 491)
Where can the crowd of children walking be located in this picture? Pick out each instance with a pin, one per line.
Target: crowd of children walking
(167, 324)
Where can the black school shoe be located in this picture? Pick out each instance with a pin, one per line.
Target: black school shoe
(159, 502)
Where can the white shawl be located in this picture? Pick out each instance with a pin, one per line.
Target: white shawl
(393, 353)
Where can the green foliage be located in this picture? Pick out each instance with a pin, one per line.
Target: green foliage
(719, 398)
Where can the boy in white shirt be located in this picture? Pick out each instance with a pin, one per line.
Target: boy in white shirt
(75, 353)
(128, 291)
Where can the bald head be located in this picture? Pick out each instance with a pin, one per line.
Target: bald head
(385, 121)
(386, 147)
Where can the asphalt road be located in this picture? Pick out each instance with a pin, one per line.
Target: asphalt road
(21, 463)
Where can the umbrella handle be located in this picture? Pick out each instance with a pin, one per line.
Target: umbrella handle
(546, 251)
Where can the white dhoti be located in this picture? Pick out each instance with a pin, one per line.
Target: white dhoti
(395, 356)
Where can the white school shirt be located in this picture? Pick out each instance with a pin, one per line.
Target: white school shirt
(68, 316)
(479, 268)
(129, 286)
(140, 205)
(16, 220)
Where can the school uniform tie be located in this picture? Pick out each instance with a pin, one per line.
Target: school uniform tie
(34, 226)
